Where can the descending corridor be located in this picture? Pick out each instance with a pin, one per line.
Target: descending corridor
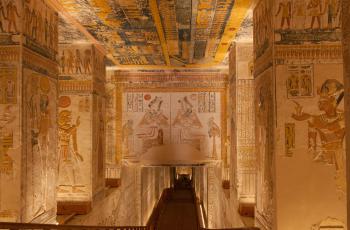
(179, 211)
(175, 114)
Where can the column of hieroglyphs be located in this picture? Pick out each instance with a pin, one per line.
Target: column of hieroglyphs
(306, 123)
(244, 132)
(81, 127)
(28, 92)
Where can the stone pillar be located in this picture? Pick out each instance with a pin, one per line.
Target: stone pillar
(28, 92)
(346, 58)
(264, 114)
(81, 127)
(232, 111)
(242, 89)
(113, 133)
(300, 126)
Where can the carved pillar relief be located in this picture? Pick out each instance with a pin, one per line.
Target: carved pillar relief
(28, 91)
(81, 127)
(242, 122)
(307, 92)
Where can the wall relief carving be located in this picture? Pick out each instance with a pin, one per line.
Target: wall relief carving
(326, 130)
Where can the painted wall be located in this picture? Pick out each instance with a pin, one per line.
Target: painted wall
(111, 109)
(175, 123)
(75, 147)
(28, 93)
(303, 78)
(264, 139)
(242, 121)
(311, 145)
(81, 123)
(310, 117)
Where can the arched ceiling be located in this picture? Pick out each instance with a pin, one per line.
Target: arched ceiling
(169, 33)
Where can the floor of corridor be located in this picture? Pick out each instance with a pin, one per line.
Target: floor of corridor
(179, 212)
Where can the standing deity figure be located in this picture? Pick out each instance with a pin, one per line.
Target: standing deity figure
(34, 24)
(2, 17)
(285, 7)
(63, 62)
(27, 17)
(213, 132)
(12, 14)
(127, 133)
(45, 120)
(87, 61)
(33, 103)
(331, 8)
(77, 61)
(326, 131)
(315, 10)
(70, 62)
(299, 14)
(68, 149)
(40, 28)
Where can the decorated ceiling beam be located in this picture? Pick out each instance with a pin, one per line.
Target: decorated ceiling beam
(193, 29)
(68, 17)
(160, 30)
(235, 20)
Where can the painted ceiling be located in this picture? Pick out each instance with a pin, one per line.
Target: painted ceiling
(159, 32)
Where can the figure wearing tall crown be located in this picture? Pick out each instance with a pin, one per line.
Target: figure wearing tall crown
(326, 131)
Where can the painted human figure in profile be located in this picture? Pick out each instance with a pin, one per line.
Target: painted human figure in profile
(186, 116)
(154, 114)
(285, 9)
(70, 159)
(326, 131)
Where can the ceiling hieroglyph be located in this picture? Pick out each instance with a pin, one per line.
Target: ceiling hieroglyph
(161, 32)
